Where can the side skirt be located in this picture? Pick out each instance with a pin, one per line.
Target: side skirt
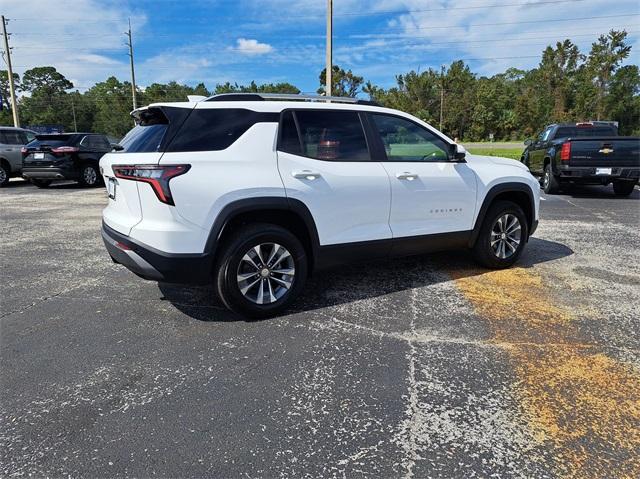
(334, 255)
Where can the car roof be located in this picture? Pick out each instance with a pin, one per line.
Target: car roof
(14, 128)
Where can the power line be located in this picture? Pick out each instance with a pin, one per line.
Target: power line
(350, 14)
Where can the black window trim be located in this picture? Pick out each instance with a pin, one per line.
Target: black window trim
(363, 124)
(380, 144)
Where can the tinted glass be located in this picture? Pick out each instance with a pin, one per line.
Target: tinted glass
(406, 141)
(289, 140)
(585, 131)
(215, 129)
(11, 137)
(332, 135)
(143, 139)
(52, 141)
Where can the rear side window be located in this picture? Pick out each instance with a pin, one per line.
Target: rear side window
(215, 129)
(12, 137)
(289, 139)
(332, 135)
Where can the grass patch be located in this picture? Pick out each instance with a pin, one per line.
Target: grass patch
(513, 153)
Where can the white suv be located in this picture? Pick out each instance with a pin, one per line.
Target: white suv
(254, 192)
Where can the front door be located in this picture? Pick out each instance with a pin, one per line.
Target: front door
(430, 193)
(324, 162)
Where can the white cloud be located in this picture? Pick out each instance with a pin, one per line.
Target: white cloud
(252, 47)
(83, 39)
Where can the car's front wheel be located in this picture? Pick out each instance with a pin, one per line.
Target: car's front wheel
(261, 270)
(502, 237)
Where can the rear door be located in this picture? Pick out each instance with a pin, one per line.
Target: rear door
(324, 162)
(430, 193)
(11, 142)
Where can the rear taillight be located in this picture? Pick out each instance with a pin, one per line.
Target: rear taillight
(158, 176)
(61, 150)
(565, 152)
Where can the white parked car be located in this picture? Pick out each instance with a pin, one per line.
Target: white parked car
(254, 192)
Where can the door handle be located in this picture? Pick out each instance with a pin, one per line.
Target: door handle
(406, 176)
(306, 175)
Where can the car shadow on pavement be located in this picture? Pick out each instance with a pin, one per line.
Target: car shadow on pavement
(599, 192)
(361, 281)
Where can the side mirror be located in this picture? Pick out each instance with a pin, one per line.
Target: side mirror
(116, 147)
(458, 153)
(528, 141)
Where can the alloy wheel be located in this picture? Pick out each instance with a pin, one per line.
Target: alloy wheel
(266, 273)
(506, 235)
(89, 175)
(3, 175)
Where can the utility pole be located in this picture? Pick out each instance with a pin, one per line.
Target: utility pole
(133, 73)
(329, 75)
(73, 111)
(441, 97)
(12, 89)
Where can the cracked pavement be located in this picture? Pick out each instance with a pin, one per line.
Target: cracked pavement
(422, 367)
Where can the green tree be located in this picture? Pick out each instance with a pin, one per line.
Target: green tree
(253, 87)
(6, 115)
(604, 58)
(111, 100)
(557, 71)
(48, 101)
(623, 101)
(343, 83)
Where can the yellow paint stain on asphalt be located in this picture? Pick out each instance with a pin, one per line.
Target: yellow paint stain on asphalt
(586, 404)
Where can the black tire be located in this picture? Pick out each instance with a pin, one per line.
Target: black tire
(5, 174)
(550, 183)
(483, 251)
(231, 261)
(623, 188)
(89, 176)
(41, 183)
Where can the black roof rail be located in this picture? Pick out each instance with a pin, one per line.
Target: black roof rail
(288, 97)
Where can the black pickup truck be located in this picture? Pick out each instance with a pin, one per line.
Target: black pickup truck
(584, 153)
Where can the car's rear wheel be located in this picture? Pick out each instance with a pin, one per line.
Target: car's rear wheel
(4, 175)
(89, 176)
(502, 237)
(261, 270)
(550, 183)
(623, 188)
(41, 183)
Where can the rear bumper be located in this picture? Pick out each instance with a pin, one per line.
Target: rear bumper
(49, 173)
(587, 174)
(151, 264)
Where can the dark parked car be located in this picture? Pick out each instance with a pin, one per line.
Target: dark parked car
(584, 153)
(69, 156)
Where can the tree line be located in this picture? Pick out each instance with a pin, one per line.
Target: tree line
(567, 85)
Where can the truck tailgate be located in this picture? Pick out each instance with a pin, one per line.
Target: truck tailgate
(610, 151)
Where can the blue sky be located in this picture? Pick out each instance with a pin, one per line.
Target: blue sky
(214, 41)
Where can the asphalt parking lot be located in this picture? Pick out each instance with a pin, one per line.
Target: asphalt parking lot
(424, 367)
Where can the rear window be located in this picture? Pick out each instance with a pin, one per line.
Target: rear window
(143, 139)
(216, 129)
(148, 133)
(584, 131)
(52, 141)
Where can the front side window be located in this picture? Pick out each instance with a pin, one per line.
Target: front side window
(406, 141)
(332, 135)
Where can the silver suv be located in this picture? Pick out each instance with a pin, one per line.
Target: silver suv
(11, 142)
